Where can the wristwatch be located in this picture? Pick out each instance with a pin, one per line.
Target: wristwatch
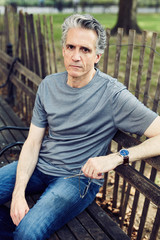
(124, 153)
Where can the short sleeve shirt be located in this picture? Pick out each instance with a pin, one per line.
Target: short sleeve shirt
(83, 121)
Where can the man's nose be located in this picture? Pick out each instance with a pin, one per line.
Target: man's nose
(76, 55)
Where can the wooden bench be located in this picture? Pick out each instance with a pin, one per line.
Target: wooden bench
(26, 83)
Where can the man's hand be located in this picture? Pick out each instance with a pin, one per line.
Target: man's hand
(19, 208)
(94, 167)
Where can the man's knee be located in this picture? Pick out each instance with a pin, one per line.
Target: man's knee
(29, 231)
(25, 232)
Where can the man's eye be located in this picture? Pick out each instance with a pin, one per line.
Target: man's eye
(85, 50)
(70, 47)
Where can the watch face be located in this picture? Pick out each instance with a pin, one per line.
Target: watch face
(124, 152)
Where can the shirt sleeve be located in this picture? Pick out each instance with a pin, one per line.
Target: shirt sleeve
(39, 116)
(130, 115)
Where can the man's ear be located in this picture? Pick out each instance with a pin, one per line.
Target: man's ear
(98, 57)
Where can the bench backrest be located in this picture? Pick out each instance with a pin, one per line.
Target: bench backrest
(24, 88)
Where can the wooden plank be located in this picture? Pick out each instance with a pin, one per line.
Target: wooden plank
(156, 226)
(41, 48)
(129, 57)
(143, 218)
(78, 230)
(122, 196)
(135, 203)
(124, 206)
(106, 223)
(54, 237)
(150, 68)
(156, 97)
(53, 45)
(115, 191)
(29, 74)
(105, 185)
(5, 57)
(118, 52)
(65, 234)
(9, 118)
(26, 89)
(146, 207)
(24, 56)
(148, 188)
(92, 227)
(35, 47)
(7, 36)
(106, 52)
(29, 43)
(46, 40)
(141, 61)
(20, 68)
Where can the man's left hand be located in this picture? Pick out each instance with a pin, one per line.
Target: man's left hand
(95, 167)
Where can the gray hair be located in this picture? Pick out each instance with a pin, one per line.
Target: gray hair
(86, 22)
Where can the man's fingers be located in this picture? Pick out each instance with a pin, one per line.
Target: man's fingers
(17, 216)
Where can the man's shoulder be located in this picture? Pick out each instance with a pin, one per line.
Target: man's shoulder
(111, 82)
(55, 76)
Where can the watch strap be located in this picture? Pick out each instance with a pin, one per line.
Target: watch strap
(126, 160)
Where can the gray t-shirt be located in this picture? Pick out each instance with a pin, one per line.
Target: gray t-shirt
(83, 121)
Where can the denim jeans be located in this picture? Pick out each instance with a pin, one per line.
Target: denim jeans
(59, 203)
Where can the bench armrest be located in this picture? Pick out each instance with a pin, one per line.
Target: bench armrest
(10, 145)
(14, 128)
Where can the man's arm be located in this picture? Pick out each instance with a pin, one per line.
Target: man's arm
(26, 165)
(94, 167)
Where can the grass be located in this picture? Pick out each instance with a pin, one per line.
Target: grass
(148, 22)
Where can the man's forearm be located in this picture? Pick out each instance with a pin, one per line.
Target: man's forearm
(95, 166)
(26, 165)
(149, 148)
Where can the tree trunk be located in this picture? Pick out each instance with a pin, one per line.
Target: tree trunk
(127, 17)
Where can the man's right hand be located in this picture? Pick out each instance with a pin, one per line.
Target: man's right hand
(19, 208)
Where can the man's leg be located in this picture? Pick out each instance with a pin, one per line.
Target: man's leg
(7, 182)
(60, 203)
(6, 225)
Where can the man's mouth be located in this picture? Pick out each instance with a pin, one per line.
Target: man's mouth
(75, 66)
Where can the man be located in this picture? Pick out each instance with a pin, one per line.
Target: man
(83, 109)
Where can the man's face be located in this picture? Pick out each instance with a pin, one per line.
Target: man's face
(79, 52)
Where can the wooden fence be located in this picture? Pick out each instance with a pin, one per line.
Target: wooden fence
(135, 61)
(32, 39)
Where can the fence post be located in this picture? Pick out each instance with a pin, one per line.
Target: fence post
(10, 95)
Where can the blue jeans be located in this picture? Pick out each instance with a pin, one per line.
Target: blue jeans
(59, 203)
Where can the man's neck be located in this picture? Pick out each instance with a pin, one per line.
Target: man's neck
(79, 82)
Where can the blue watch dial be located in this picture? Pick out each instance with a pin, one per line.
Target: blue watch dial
(124, 152)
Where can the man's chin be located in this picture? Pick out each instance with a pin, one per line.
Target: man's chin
(74, 74)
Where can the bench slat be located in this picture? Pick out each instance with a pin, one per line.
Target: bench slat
(64, 233)
(106, 223)
(148, 188)
(78, 230)
(92, 227)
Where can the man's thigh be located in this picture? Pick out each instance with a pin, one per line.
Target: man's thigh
(7, 182)
(60, 203)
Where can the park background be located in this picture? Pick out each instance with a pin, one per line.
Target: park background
(147, 17)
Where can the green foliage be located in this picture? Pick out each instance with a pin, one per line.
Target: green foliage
(141, 3)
